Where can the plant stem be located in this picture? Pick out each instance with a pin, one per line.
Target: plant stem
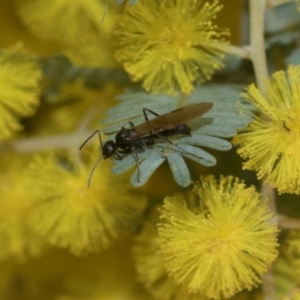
(257, 42)
(288, 223)
(64, 141)
(242, 52)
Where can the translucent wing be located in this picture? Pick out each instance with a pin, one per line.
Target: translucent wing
(172, 119)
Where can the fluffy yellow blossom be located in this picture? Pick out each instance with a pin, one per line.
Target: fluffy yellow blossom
(19, 88)
(17, 239)
(65, 21)
(271, 141)
(70, 215)
(150, 266)
(170, 44)
(222, 246)
(95, 51)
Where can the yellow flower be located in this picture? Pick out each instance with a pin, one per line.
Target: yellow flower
(151, 270)
(65, 21)
(17, 239)
(170, 44)
(271, 142)
(70, 215)
(95, 51)
(19, 88)
(223, 245)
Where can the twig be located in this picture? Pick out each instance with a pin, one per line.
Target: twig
(268, 286)
(269, 193)
(243, 52)
(286, 222)
(257, 42)
(65, 141)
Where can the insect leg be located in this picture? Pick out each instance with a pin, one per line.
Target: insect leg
(131, 124)
(174, 144)
(118, 155)
(146, 117)
(136, 157)
(149, 111)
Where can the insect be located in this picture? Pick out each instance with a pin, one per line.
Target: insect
(136, 138)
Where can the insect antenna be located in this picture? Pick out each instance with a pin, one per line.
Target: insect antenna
(92, 171)
(97, 131)
(97, 162)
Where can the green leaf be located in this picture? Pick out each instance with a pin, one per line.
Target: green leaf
(147, 168)
(197, 154)
(128, 162)
(294, 58)
(179, 169)
(282, 25)
(59, 70)
(207, 141)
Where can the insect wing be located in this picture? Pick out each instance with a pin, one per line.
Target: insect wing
(171, 119)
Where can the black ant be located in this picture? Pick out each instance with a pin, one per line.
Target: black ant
(136, 138)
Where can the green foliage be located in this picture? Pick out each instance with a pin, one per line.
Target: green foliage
(59, 70)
